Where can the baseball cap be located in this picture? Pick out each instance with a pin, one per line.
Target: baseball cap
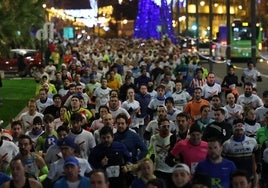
(71, 161)
(66, 141)
(182, 166)
(195, 128)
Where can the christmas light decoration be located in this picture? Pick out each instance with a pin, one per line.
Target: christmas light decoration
(154, 20)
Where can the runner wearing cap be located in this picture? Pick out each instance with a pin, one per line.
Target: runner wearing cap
(72, 177)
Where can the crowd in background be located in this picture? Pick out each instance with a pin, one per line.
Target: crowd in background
(137, 113)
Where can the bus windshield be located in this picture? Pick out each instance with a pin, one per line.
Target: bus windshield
(243, 33)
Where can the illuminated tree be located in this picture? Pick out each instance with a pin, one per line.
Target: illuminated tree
(154, 20)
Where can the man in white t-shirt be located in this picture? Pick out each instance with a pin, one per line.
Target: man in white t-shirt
(43, 101)
(27, 117)
(211, 88)
(152, 127)
(115, 109)
(250, 74)
(248, 98)
(84, 139)
(234, 111)
(101, 94)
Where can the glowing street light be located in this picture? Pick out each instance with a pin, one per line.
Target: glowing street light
(124, 21)
(194, 27)
(202, 3)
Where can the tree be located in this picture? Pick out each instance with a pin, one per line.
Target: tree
(19, 19)
(154, 20)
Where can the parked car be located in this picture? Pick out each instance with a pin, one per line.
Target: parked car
(22, 61)
(203, 50)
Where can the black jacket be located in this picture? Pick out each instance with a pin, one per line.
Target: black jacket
(222, 131)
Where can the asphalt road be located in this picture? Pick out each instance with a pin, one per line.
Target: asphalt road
(220, 70)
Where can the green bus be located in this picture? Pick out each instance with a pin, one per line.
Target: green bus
(240, 39)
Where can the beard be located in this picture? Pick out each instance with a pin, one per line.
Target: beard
(23, 152)
(248, 94)
(106, 144)
(197, 98)
(214, 156)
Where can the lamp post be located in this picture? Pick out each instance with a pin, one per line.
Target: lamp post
(210, 34)
(46, 13)
(197, 24)
(197, 17)
(253, 29)
(187, 16)
(177, 17)
(228, 24)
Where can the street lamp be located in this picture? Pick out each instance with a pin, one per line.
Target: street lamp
(197, 23)
(210, 34)
(253, 29)
(228, 24)
(124, 21)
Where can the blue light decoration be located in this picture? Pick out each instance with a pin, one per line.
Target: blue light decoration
(182, 3)
(154, 20)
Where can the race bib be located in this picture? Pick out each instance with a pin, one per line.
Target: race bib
(113, 171)
(193, 167)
